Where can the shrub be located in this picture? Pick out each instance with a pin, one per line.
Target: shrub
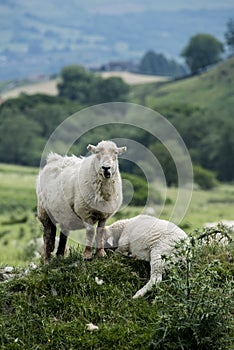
(143, 191)
(195, 301)
(204, 178)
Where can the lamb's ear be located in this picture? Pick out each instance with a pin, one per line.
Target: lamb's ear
(110, 242)
(121, 150)
(92, 148)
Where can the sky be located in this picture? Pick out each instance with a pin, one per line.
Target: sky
(122, 6)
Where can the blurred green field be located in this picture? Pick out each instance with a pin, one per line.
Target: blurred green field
(210, 90)
(19, 225)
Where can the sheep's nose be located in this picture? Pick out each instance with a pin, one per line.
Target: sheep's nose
(106, 170)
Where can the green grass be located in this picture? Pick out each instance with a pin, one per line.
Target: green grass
(211, 90)
(17, 184)
(18, 222)
(205, 206)
(17, 211)
(50, 307)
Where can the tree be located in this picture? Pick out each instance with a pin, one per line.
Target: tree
(87, 88)
(140, 189)
(158, 64)
(229, 35)
(225, 161)
(20, 140)
(75, 84)
(202, 51)
(112, 89)
(204, 178)
(166, 162)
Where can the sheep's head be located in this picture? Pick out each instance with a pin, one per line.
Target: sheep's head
(106, 157)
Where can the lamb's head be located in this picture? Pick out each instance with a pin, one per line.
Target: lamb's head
(106, 158)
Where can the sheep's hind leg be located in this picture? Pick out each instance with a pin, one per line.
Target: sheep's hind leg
(156, 267)
(89, 242)
(48, 237)
(62, 243)
(100, 251)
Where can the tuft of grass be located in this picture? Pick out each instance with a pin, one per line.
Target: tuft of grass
(50, 307)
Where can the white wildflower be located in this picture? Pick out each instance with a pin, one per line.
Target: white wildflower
(8, 269)
(99, 281)
(32, 266)
(91, 327)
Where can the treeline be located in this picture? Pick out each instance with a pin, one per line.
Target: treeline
(209, 139)
(157, 64)
(27, 122)
(88, 89)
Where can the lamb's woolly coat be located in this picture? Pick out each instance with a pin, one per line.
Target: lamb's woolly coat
(73, 192)
(147, 238)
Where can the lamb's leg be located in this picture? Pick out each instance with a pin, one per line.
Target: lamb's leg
(100, 238)
(62, 243)
(49, 237)
(156, 267)
(89, 242)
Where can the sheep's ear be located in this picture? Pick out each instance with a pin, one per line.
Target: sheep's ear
(121, 150)
(92, 148)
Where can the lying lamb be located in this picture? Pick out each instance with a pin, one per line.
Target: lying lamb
(77, 193)
(147, 238)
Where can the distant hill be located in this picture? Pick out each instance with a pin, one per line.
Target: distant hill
(211, 90)
(201, 109)
(49, 87)
(41, 37)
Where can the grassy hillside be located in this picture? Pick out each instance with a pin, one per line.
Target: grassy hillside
(201, 109)
(19, 225)
(51, 306)
(17, 212)
(49, 87)
(212, 90)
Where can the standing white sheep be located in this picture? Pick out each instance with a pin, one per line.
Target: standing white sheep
(147, 238)
(79, 192)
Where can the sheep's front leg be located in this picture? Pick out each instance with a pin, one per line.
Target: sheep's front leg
(89, 242)
(100, 238)
(62, 243)
(155, 274)
(49, 238)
